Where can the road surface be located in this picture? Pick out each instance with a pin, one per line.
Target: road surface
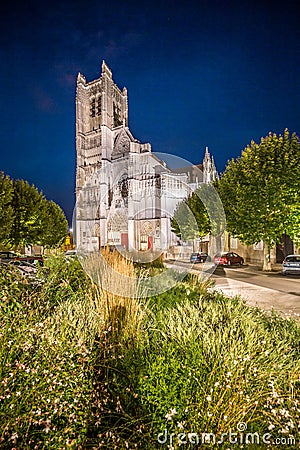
(266, 290)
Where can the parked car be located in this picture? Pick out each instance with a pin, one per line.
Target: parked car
(37, 260)
(27, 277)
(7, 256)
(70, 253)
(228, 259)
(199, 257)
(291, 264)
(25, 266)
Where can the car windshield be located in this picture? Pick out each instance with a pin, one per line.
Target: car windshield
(293, 258)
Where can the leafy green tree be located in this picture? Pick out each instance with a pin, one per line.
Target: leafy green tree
(55, 225)
(260, 191)
(190, 219)
(6, 210)
(27, 203)
(183, 222)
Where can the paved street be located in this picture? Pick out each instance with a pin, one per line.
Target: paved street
(266, 290)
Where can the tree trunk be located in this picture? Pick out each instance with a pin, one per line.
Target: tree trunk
(267, 266)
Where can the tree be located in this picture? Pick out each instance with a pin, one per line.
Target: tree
(27, 217)
(190, 219)
(183, 222)
(260, 191)
(55, 225)
(27, 203)
(6, 210)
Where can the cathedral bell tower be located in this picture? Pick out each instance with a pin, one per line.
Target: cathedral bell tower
(100, 108)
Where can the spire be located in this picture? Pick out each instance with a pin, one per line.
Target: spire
(207, 166)
(106, 70)
(81, 78)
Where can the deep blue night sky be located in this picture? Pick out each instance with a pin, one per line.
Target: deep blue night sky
(203, 73)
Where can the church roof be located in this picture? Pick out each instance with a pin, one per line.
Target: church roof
(194, 172)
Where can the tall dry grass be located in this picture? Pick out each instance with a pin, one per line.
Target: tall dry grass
(117, 291)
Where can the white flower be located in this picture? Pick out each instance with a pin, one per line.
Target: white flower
(14, 437)
(170, 414)
(208, 398)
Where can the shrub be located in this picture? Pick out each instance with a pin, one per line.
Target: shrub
(83, 367)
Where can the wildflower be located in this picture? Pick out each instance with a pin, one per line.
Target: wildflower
(14, 437)
(170, 414)
(208, 398)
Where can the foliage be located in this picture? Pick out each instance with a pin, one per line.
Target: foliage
(83, 368)
(45, 366)
(201, 213)
(6, 210)
(190, 219)
(27, 204)
(55, 225)
(211, 364)
(260, 190)
(27, 217)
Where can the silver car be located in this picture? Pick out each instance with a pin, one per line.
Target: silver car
(291, 264)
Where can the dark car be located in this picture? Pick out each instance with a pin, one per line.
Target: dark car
(37, 260)
(291, 264)
(7, 256)
(228, 259)
(24, 266)
(199, 257)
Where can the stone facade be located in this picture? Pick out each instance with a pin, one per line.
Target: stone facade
(125, 193)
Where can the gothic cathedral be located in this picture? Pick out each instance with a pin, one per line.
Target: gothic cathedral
(125, 193)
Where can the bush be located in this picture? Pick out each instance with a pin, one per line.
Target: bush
(46, 374)
(215, 363)
(82, 367)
